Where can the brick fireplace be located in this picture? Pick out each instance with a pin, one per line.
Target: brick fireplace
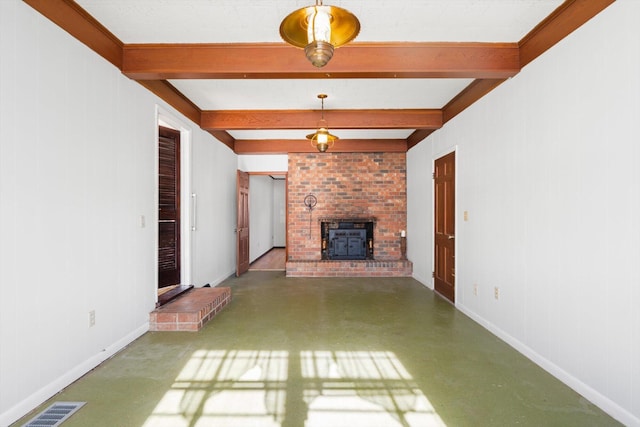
(362, 198)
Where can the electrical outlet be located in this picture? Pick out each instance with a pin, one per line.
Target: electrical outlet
(496, 292)
(92, 318)
(475, 289)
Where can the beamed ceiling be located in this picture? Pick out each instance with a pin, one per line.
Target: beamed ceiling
(415, 65)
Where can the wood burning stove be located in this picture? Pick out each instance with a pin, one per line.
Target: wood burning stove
(347, 239)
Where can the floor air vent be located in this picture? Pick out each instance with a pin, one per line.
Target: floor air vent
(55, 414)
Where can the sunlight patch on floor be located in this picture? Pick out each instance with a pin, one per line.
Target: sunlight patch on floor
(364, 388)
(310, 388)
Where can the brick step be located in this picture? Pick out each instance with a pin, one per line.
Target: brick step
(364, 268)
(191, 311)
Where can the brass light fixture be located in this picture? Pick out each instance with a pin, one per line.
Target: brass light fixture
(322, 140)
(319, 30)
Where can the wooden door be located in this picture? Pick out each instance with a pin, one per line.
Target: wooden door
(168, 207)
(242, 235)
(444, 188)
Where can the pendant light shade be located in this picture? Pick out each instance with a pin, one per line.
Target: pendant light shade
(322, 140)
(319, 30)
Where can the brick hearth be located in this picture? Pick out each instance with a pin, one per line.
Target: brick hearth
(191, 311)
(325, 268)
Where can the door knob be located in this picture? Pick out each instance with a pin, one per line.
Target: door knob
(451, 236)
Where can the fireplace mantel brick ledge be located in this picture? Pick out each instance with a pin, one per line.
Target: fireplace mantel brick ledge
(354, 268)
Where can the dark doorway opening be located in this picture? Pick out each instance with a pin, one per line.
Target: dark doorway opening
(168, 207)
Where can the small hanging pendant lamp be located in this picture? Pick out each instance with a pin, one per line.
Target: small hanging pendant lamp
(322, 140)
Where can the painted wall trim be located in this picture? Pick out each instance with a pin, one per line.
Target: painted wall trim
(34, 400)
(606, 404)
(426, 282)
(218, 280)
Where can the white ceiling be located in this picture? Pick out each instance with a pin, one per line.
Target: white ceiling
(241, 21)
(234, 21)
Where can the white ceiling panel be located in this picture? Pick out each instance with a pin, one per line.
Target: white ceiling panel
(302, 94)
(242, 21)
(340, 133)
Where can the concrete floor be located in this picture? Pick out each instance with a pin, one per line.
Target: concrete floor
(326, 352)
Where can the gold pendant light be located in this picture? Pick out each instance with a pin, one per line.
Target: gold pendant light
(322, 140)
(319, 30)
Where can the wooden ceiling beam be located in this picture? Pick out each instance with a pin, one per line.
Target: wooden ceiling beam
(489, 64)
(172, 96)
(284, 146)
(224, 137)
(357, 60)
(569, 16)
(72, 18)
(476, 90)
(417, 136)
(308, 119)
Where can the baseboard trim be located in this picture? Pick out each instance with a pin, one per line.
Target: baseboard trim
(423, 281)
(34, 400)
(594, 396)
(263, 254)
(220, 279)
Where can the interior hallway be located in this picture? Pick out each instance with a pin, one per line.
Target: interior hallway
(326, 352)
(272, 260)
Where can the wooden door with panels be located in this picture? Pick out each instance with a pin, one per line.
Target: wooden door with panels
(242, 229)
(444, 273)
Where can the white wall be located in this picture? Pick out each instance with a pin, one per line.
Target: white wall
(77, 172)
(214, 183)
(420, 211)
(279, 213)
(260, 215)
(547, 168)
(263, 163)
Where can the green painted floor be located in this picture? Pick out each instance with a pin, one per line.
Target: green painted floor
(326, 352)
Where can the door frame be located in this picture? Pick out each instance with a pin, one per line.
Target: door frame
(187, 199)
(435, 157)
(286, 194)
